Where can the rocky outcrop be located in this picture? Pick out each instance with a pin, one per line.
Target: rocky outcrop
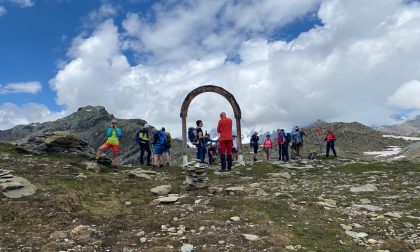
(61, 142)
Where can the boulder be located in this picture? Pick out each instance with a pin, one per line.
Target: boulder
(161, 190)
(356, 235)
(17, 187)
(364, 188)
(251, 237)
(138, 174)
(61, 142)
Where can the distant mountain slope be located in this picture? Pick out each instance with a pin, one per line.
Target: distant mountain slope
(407, 128)
(88, 123)
(353, 138)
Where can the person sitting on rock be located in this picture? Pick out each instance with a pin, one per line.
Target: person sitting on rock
(113, 134)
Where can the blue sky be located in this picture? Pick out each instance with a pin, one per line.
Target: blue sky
(287, 62)
(38, 38)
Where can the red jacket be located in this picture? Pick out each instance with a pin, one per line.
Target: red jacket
(225, 129)
(330, 137)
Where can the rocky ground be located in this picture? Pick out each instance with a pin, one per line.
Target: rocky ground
(320, 205)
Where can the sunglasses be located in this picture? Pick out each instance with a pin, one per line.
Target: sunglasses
(114, 123)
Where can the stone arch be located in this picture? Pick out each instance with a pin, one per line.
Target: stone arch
(218, 90)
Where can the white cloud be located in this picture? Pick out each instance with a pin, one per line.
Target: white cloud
(21, 3)
(11, 115)
(32, 87)
(407, 96)
(345, 70)
(3, 11)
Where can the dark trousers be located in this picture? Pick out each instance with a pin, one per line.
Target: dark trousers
(330, 145)
(145, 147)
(285, 152)
(201, 151)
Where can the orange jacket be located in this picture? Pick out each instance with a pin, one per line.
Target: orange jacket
(225, 129)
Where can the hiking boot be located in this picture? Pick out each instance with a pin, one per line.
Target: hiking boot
(223, 162)
(255, 160)
(229, 163)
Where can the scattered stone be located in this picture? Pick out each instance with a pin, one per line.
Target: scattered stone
(365, 201)
(372, 241)
(161, 190)
(58, 235)
(251, 237)
(393, 214)
(138, 174)
(369, 207)
(168, 200)
(346, 227)
(81, 176)
(290, 247)
(235, 218)
(237, 189)
(215, 190)
(92, 166)
(187, 248)
(328, 203)
(356, 235)
(141, 234)
(364, 188)
(128, 203)
(261, 192)
(81, 232)
(143, 240)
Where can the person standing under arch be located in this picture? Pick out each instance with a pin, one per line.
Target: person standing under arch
(224, 128)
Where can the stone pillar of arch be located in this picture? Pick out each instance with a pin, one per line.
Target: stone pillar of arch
(236, 110)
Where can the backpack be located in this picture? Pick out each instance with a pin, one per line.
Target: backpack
(288, 138)
(298, 138)
(168, 139)
(162, 139)
(192, 135)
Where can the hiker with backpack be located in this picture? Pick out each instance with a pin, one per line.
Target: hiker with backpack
(113, 135)
(159, 143)
(285, 146)
(224, 128)
(201, 141)
(167, 148)
(254, 144)
(268, 146)
(297, 138)
(330, 139)
(142, 138)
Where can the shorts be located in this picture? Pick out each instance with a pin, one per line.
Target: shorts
(234, 150)
(267, 150)
(167, 150)
(114, 147)
(255, 148)
(158, 150)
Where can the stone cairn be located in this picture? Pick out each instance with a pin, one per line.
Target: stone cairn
(15, 187)
(196, 177)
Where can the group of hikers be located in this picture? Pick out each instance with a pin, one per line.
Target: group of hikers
(226, 146)
(284, 140)
(148, 136)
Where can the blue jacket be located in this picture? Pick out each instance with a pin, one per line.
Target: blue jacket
(109, 132)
